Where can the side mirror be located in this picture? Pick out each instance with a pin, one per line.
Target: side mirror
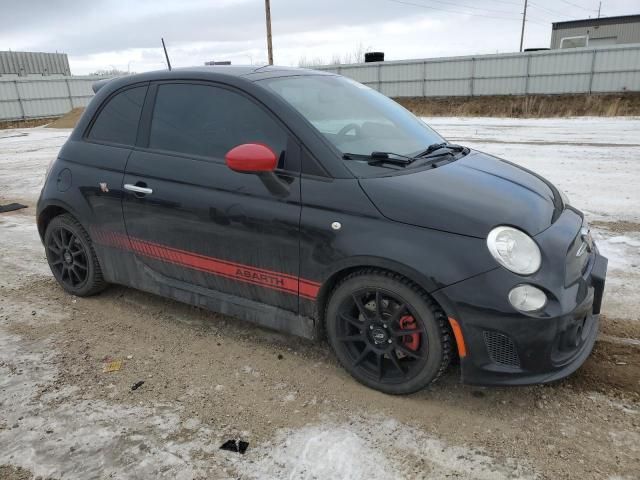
(251, 158)
(261, 160)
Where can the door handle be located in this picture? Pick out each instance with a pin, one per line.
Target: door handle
(138, 189)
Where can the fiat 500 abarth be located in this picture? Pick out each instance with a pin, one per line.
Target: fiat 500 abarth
(309, 203)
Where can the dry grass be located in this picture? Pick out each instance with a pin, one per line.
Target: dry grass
(34, 122)
(532, 106)
(68, 120)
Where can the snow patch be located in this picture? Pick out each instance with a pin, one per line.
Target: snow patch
(53, 434)
(624, 240)
(19, 236)
(370, 448)
(592, 159)
(622, 251)
(24, 157)
(289, 397)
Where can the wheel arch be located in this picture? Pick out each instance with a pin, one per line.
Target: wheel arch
(346, 268)
(439, 327)
(51, 210)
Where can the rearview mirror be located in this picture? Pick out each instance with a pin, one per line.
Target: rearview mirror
(251, 158)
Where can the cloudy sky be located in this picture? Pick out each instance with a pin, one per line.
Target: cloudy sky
(104, 34)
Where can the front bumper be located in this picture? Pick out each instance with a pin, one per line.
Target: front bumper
(507, 347)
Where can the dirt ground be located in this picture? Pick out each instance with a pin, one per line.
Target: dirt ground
(34, 122)
(209, 378)
(68, 120)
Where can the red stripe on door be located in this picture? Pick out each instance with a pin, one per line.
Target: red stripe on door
(308, 289)
(235, 271)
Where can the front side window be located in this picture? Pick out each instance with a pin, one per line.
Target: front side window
(117, 122)
(209, 121)
(353, 117)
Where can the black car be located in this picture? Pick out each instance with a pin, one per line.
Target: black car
(306, 202)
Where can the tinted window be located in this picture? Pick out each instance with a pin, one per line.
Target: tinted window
(210, 121)
(117, 122)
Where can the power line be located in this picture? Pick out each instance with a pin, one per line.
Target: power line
(421, 5)
(542, 21)
(507, 2)
(547, 9)
(552, 12)
(538, 20)
(469, 14)
(579, 6)
(472, 7)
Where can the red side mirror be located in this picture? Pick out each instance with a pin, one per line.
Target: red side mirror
(251, 158)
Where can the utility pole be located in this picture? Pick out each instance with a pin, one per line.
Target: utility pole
(524, 19)
(267, 7)
(599, 7)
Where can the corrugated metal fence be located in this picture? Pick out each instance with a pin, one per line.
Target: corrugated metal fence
(584, 70)
(43, 97)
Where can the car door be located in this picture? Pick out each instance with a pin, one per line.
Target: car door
(191, 218)
(98, 159)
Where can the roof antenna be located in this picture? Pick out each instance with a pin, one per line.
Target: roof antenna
(166, 54)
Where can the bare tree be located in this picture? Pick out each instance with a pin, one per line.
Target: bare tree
(306, 62)
(111, 72)
(355, 56)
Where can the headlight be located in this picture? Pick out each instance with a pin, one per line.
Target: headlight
(514, 250)
(527, 298)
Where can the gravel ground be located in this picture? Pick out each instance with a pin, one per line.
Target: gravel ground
(209, 378)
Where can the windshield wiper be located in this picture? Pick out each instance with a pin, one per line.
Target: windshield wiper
(380, 157)
(434, 147)
(431, 156)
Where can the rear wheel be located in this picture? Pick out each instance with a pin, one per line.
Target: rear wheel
(387, 332)
(71, 257)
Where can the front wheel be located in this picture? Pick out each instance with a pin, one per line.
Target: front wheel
(387, 332)
(71, 257)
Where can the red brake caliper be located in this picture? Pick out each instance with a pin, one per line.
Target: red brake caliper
(411, 341)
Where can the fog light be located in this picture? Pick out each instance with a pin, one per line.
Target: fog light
(527, 298)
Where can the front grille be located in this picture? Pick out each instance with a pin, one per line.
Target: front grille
(501, 349)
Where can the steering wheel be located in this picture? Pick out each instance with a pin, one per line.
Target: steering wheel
(346, 129)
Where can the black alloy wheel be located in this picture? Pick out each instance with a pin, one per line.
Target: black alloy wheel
(387, 333)
(71, 257)
(68, 257)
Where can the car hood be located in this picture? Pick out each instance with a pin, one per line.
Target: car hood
(469, 196)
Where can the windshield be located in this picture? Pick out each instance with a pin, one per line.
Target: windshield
(353, 117)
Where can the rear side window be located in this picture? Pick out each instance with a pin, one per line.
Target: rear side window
(209, 121)
(117, 122)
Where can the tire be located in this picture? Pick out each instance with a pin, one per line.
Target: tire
(395, 339)
(72, 258)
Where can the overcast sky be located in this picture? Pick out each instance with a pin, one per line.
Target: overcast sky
(103, 34)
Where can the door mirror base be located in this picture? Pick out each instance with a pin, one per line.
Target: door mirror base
(274, 184)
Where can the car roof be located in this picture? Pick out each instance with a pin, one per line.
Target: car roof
(248, 72)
